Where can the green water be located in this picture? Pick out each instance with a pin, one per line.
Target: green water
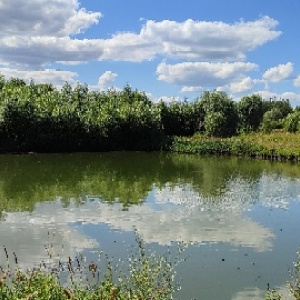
(240, 216)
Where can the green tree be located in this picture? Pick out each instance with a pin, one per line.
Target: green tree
(2, 81)
(16, 82)
(220, 111)
(283, 105)
(272, 119)
(291, 122)
(214, 123)
(250, 110)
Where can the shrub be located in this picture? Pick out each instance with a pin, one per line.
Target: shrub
(292, 122)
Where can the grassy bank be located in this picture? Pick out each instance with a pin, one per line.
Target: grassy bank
(277, 145)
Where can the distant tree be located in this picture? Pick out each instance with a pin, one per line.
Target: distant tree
(272, 119)
(250, 110)
(2, 81)
(215, 124)
(221, 116)
(291, 123)
(181, 118)
(283, 105)
(16, 82)
(128, 95)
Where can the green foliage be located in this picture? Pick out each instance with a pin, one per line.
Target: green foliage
(275, 146)
(2, 81)
(291, 123)
(181, 118)
(214, 123)
(221, 118)
(283, 105)
(250, 110)
(146, 276)
(40, 118)
(272, 119)
(273, 295)
(294, 284)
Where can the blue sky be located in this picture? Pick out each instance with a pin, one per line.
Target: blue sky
(170, 49)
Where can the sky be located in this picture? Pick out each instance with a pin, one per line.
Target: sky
(170, 49)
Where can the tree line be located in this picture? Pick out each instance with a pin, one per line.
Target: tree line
(42, 118)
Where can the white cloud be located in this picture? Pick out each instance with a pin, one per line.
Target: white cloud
(169, 99)
(40, 32)
(244, 85)
(279, 73)
(191, 89)
(38, 18)
(57, 78)
(291, 96)
(203, 40)
(106, 79)
(191, 39)
(297, 81)
(205, 74)
(166, 99)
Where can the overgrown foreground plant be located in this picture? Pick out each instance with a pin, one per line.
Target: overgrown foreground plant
(144, 276)
(293, 285)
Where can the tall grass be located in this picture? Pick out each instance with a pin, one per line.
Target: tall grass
(277, 145)
(145, 275)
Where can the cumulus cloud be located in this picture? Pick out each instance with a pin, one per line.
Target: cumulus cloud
(191, 39)
(57, 78)
(191, 89)
(297, 81)
(45, 18)
(169, 99)
(40, 32)
(244, 85)
(203, 40)
(192, 75)
(291, 96)
(279, 73)
(106, 79)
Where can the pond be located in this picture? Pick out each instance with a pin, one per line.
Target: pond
(239, 217)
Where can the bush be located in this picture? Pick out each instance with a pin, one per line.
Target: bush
(292, 122)
(272, 119)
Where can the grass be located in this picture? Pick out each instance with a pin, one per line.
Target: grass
(144, 276)
(277, 145)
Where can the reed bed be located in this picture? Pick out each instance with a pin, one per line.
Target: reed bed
(277, 145)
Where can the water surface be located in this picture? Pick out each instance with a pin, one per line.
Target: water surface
(240, 217)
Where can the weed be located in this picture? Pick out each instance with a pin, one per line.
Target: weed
(145, 275)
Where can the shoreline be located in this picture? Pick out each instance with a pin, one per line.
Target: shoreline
(276, 146)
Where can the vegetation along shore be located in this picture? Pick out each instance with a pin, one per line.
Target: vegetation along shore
(42, 118)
